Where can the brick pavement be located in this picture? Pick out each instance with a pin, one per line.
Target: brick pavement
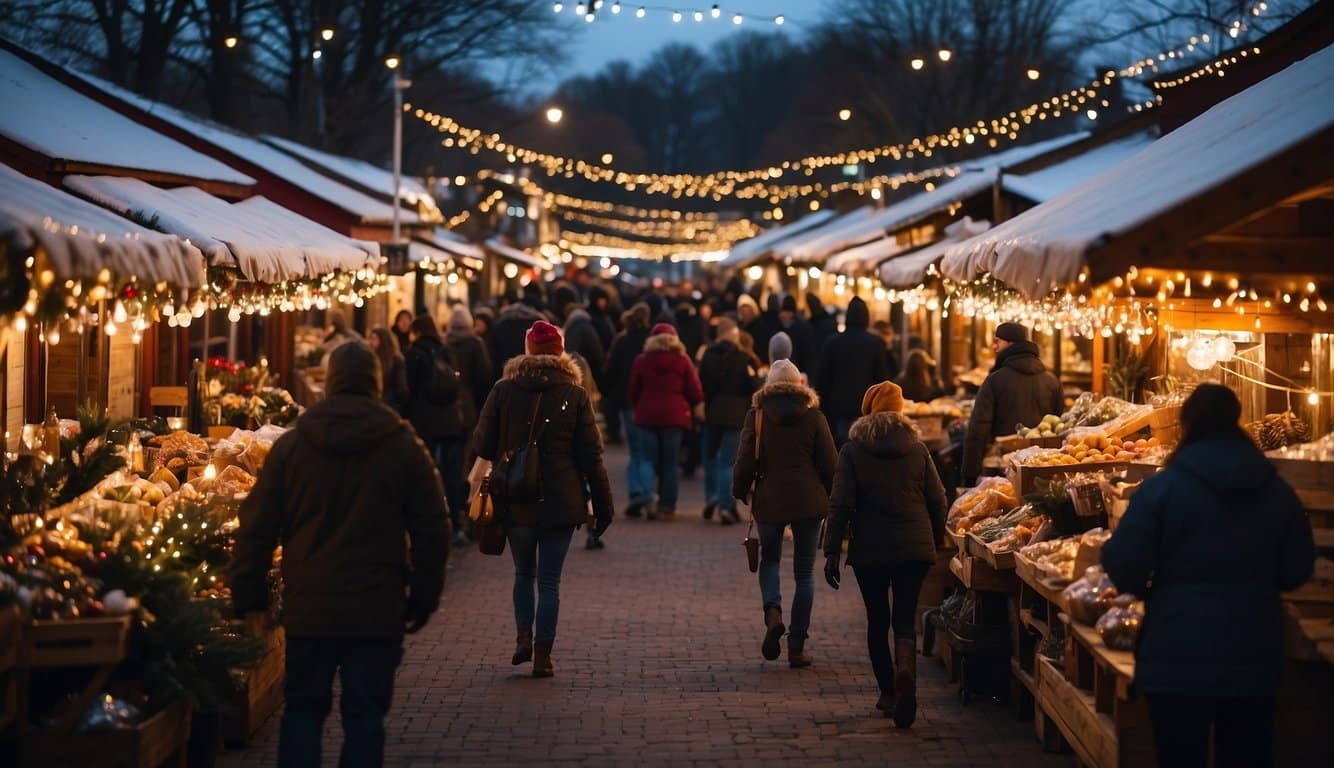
(657, 662)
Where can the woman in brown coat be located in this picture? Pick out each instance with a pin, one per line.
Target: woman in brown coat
(792, 470)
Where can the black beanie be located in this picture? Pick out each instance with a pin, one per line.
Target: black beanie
(789, 304)
(353, 370)
(1011, 332)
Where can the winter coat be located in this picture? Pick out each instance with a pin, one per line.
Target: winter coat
(1209, 543)
(727, 378)
(663, 384)
(803, 344)
(824, 326)
(887, 495)
(761, 330)
(582, 338)
(474, 374)
(432, 421)
(603, 321)
(691, 328)
(850, 363)
(506, 338)
(795, 469)
(343, 493)
(395, 383)
(569, 445)
(1019, 390)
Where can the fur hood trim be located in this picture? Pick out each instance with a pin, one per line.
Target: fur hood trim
(781, 388)
(877, 426)
(525, 366)
(664, 342)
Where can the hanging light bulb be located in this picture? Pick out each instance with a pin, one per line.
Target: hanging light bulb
(639, 14)
(676, 16)
(715, 12)
(1224, 349)
(1200, 356)
(699, 15)
(736, 19)
(779, 20)
(917, 62)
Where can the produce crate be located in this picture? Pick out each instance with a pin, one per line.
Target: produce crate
(975, 573)
(929, 427)
(1000, 561)
(1012, 443)
(76, 642)
(1024, 478)
(160, 740)
(260, 694)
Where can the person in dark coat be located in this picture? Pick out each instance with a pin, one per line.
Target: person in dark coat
(1209, 543)
(885, 330)
(727, 377)
(394, 392)
(752, 322)
(888, 496)
(1019, 390)
(664, 389)
(615, 386)
(600, 313)
(505, 341)
(787, 456)
(850, 363)
(402, 321)
(690, 328)
(354, 500)
(918, 380)
(799, 331)
(581, 338)
(824, 326)
(438, 424)
(540, 395)
(476, 378)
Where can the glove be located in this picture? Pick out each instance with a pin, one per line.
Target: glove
(831, 575)
(415, 616)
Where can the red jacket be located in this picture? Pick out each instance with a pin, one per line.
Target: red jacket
(664, 385)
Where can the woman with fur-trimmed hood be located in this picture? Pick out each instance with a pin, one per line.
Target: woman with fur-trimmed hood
(664, 389)
(888, 496)
(791, 470)
(540, 395)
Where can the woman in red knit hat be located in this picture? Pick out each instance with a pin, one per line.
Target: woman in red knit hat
(663, 389)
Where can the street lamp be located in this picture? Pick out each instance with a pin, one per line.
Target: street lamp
(554, 115)
(230, 41)
(917, 63)
(327, 34)
(1033, 73)
(392, 61)
(845, 114)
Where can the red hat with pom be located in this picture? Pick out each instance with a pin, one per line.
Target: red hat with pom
(544, 339)
(662, 328)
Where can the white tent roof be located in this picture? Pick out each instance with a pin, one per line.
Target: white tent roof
(370, 210)
(909, 270)
(81, 239)
(359, 172)
(494, 245)
(264, 248)
(864, 255)
(753, 248)
(46, 116)
(1047, 246)
(787, 249)
(1046, 183)
(325, 249)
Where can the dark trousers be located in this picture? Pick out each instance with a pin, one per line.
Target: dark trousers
(890, 593)
(366, 669)
(1242, 730)
(449, 454)
(611, 417)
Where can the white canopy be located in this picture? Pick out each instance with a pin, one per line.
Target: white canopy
(515, 255)
(1046, 183)
(325, 249)
(747, 251)
(58, 122)
(1047, 246)
(865, 255)
(81, 239)
(909, 270)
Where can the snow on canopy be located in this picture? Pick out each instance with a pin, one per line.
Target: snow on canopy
(494, 245)
(326, 250)
(1046, 246)
(263, 248)
(909, 270)
(361, 173)
(1044, 184)
(80, 239)
(785, 250)
(753, 248)
(453, 244)
(58, 122)
(251, 150)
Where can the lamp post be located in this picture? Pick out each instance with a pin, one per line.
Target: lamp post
(393, 61)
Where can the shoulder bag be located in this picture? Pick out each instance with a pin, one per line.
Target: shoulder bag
(751, 543)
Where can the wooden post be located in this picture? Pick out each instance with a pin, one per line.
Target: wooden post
(1099, 360)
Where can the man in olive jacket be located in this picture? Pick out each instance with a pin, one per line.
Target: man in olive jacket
(357, 505)
(1019, 390)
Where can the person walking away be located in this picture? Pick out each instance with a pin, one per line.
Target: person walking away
(787, 456)
(824, 326)
(751, 322)
(475, 376)
(780, 348)
(600, 313)
(1210, 543)
(690, 327)
(888, 496)
(394, 369)
(664, 388)
(539, 398)
(581, 338)
(1018, 390)
(434, 389)
(850, 363)
(402, 322)
(505, 341)
(727, 378)
(800, 333)
(625, 348)
(885, 330)
(918, 380)
(355, 501)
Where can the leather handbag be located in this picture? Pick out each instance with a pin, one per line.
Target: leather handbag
(751, 543)
(491, 537)
(482, 510)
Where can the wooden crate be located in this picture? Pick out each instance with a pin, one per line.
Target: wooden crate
(974, 573)
(1000, 561)
(1012, 443)
(160, 740)
(1025, 478)
(260, 695)
(76, 642)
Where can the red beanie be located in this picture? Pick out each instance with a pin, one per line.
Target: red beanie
(662, 328)
(544, 339)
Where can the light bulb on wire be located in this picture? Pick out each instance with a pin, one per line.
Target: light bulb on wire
(715, 12)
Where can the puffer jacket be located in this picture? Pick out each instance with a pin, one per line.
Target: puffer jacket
(343, 493)
(431, 420)
(569, 445)
(887, 495)
(1019, 390)
(663, 384)
(1210, 543)
(727, 377)
(795, 468)
(850, 363)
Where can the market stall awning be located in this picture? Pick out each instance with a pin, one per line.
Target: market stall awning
(1257, 148)
(264, 248)
(80, 239)
(515, 255)
(1046, 183)
(864, 256)
(325, 249)
(787, 250)
(78, 134)
(749, 250)
(909, 270)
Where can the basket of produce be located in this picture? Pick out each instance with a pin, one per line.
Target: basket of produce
(1119, 626)
(992, 497)
(1093, 594)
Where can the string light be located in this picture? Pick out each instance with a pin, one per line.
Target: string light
(590, 11)
(1215, 67)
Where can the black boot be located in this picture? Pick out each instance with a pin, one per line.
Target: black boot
(773, 632)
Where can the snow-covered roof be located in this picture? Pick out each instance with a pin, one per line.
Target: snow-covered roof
(262, 248)
(909, 270)
(753, 248)
(864, 255)
(325, 249)
(454, 243)
(786, 249)
(58, 122)
(363, 174)
(1046, 246)
(494, 245)
(80, 239)
(251, 150)
(1046, 183)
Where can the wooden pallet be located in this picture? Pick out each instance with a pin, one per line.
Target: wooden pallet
(76, 642)
(260, 695)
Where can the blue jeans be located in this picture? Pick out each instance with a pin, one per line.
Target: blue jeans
(539, 555)
(720, 449)
(367, 667)
(662, 451)
(805, 535)
(639, 472)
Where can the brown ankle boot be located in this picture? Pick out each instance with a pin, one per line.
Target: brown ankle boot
(542, 660)
(905, 683)
(523, 648)
(797, 658)
(773, 632)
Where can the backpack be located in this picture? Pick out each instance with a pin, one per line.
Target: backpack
(516, 475)
(443, 386)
